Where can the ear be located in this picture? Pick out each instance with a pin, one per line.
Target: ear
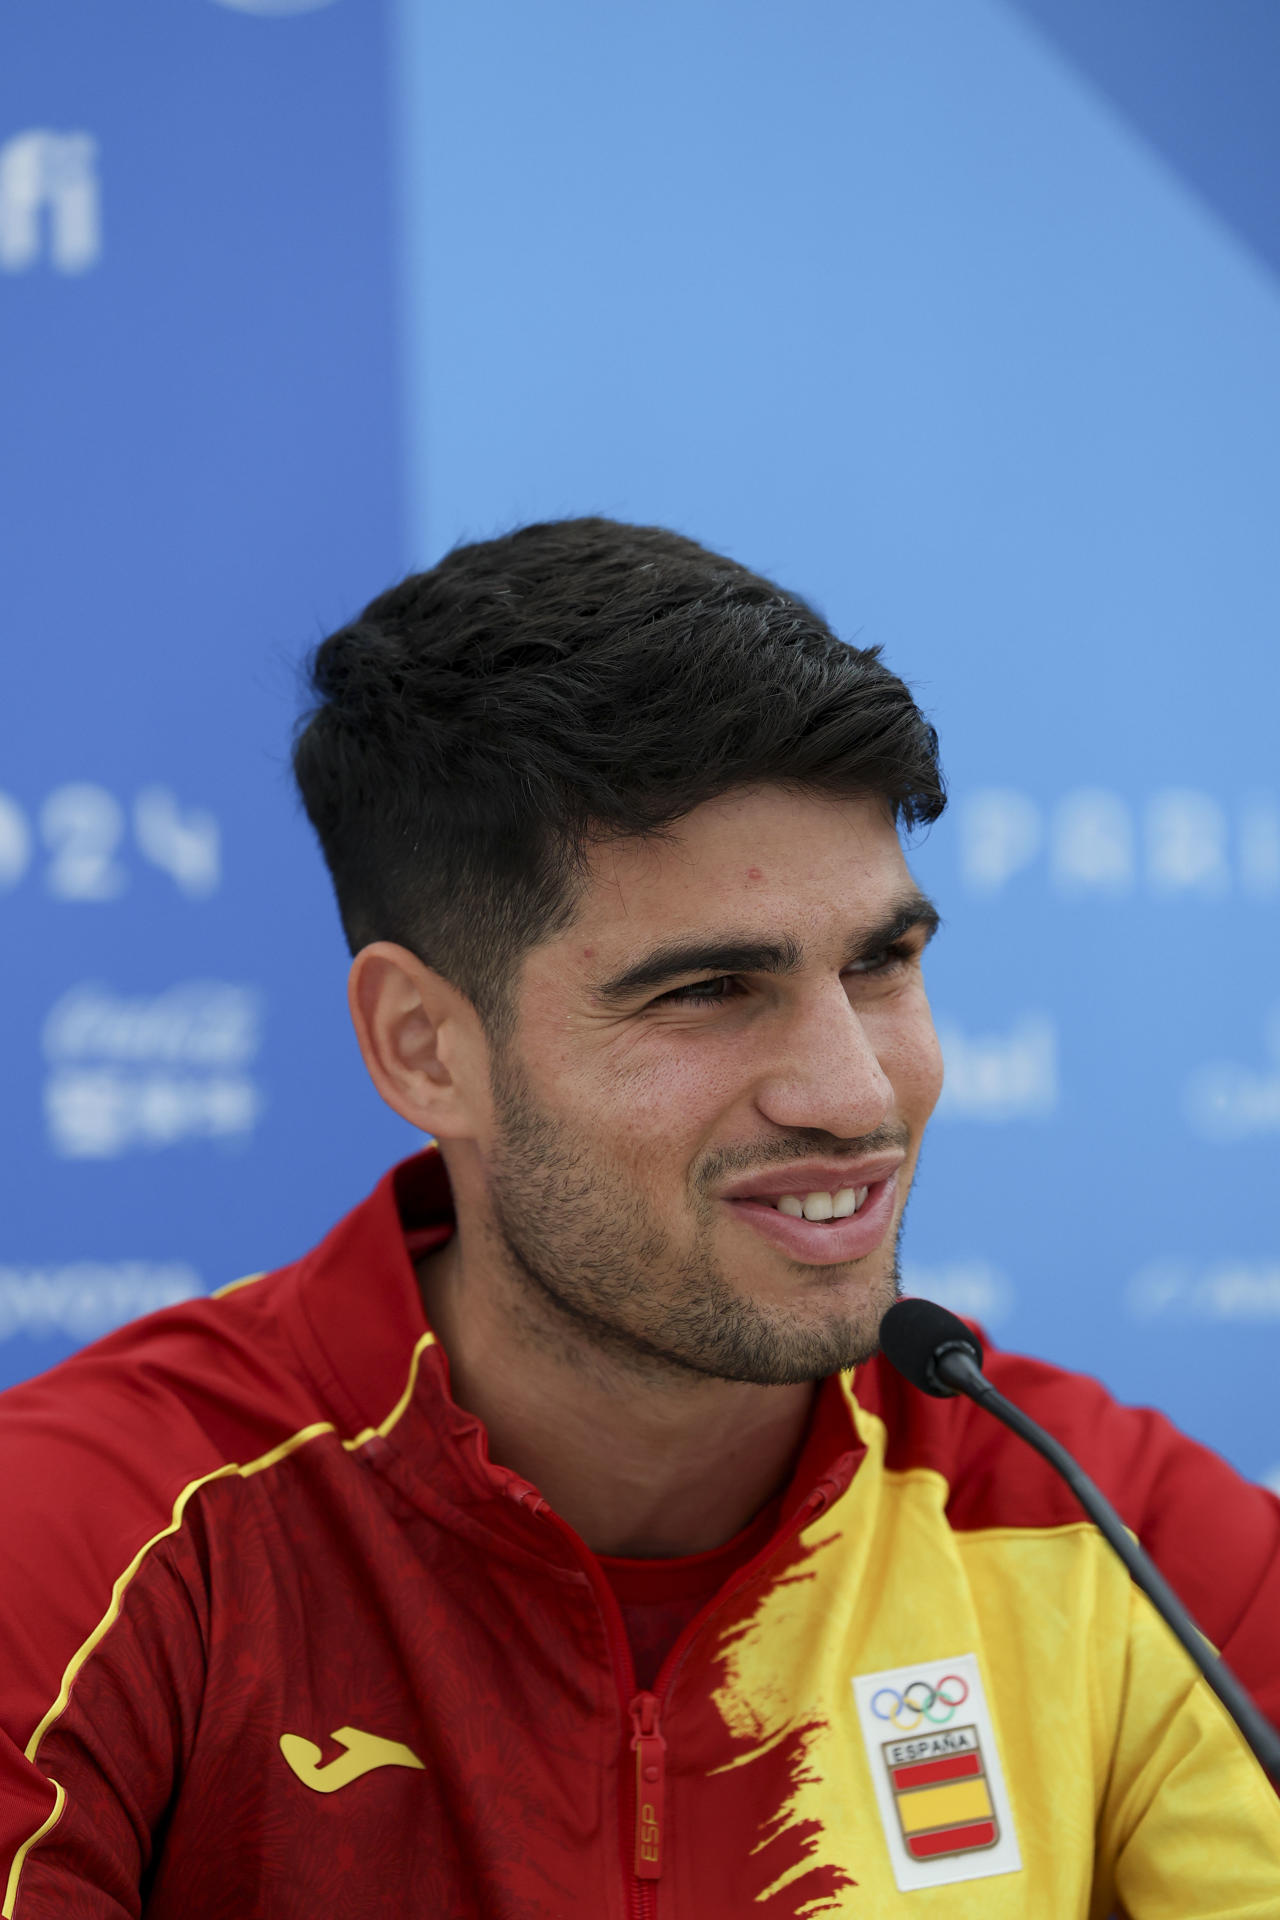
(421, 1040)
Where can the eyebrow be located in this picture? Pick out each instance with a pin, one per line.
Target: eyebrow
(730, 952)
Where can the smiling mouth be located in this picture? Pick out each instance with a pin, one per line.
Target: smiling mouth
(841, 1204)
(844, 1223)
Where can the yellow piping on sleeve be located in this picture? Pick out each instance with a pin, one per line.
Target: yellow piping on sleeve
(11, 1889)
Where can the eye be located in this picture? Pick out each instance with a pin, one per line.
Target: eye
(699, 993)
(889, 960)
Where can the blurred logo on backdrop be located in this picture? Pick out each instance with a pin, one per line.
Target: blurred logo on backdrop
(1000, 1076)
(1245, 1292)
(1224, 1100)
(84, 1299)
(1093, 843)
(975, 1288)
(274, 6)
(141, 1072)
(50, 201)
(89, 839)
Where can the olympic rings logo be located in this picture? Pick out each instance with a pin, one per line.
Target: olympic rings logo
(919, 1703)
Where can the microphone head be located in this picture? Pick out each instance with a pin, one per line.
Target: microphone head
(914, 1335)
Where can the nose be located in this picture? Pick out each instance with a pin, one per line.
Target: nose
(823, 1070)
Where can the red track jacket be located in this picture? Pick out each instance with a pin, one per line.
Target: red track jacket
(279, 1641)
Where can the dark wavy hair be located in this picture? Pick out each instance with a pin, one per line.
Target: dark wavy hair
(482, 726)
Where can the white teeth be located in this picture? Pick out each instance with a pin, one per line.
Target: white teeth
(823, 1206)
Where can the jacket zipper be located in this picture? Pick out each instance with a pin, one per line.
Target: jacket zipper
(650, 1750)
(644, 1815)
(640, 1894)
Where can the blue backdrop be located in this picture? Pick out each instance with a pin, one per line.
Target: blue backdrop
(960, 316)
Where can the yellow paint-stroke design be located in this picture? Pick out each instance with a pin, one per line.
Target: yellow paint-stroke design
(778, 1687)
(787, 1673)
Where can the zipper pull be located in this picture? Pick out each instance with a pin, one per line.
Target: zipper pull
(650, 1750)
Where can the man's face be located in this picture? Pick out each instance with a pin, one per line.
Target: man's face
(738, 1007)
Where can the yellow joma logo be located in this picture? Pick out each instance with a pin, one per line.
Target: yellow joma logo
(365, 1751)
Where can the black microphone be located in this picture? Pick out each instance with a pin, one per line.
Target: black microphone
(936, 1352)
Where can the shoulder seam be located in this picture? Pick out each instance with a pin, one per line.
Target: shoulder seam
(243, 1469)
(124, 1580)
(1036, 1532)
(1006, 1529)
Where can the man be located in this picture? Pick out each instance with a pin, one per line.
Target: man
(552, 1541)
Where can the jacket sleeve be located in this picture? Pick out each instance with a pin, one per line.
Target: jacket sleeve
(104, 1763)
(106, 1580)
(49, 1868)
(1190, 1828)
(102, 1655)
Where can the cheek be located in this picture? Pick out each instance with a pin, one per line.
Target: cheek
(655, 1101)
(909, 1054)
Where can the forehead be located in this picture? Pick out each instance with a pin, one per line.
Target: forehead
(790, 862)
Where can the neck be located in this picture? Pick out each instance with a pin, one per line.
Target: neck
(642, 1460)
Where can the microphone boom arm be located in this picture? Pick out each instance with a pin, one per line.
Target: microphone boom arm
(956, 1367)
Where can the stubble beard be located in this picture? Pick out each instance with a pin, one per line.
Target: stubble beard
(595, 1277)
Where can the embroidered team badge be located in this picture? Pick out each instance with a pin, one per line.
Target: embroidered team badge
(936, 1773)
